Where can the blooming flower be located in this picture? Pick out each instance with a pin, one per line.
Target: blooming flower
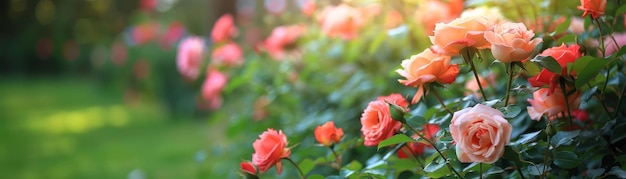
(480, 133)
(189, 57)
(376, 121)
(328, 134)
(307, 6)
(212, 88)
(269, 149)
(229, 54)
(511, 42)
(595, 8)
(282, 37)
(437, 11)
(563, 55)
(341, 21)
(551, 104)
(460, 33)
(427, 67)
(174, 31)
(248, 167)
(224, 28)
(417, 148)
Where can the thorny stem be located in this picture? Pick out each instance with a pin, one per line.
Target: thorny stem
(468, 58)
(436, 149)
(508, 85)
(297, 167)
(440, 100)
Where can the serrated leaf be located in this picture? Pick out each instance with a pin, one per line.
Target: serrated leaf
(306, 165)
(548, 62)
(566, 159)
(396, 139)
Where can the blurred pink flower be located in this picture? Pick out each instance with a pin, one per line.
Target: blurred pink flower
(119, 53)
(393, 19)
(189, 57)
(143, 33)
(229, 54)
(282, 37)
(341, 21)
(173, 33)
(275, 7)
(610, 45)
(212, 88)
(148, 5)
(307, 6)
(224, 28)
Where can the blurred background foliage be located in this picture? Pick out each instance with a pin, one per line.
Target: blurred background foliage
(90, 89)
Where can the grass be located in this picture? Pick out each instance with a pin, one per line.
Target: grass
(71, 128)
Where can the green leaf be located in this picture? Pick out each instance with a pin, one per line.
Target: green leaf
(437, 169)
(548, 62)
(316, 176)
(526, 138)
(563, 138)
(537, 169)
(620, 11)
(566, 159)
(510, 111)
(377, 42)
(352, 168)
(587, 68)
(593, 173)
(568, 39)
(531, 68)
(396, 139)
(618, 172)
(618, 133)
(512, 155)
(306, 165)
(561, 27)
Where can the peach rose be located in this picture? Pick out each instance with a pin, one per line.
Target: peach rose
(393, 19)
(460, 33)
(224, 28)
(269, 149)
(437, 11)
(229, 54)
(595, 8)
(417, 148)
(480, 133)
(472, 88)
(328, 134)
(341, 21)
(563, 55)
(544, 103)
(511, 42)
(248, 167)
(212, 88)
(281, 38)
(427, 67)
(189, 57)
(377, 124)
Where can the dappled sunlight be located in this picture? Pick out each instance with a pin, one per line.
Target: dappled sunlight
(80, 120)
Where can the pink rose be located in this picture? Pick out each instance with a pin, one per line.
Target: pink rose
(620, 38)
(224, 28)
(281, 38)
(143, 33)
(229, 54)
(480, 133)
(550, 105)
(377, 124)
(460, 33)
(269, 149)
(595, 8)
(427, 67)
(174, 31)
(511, 42)
(189, 57)
(212, 88)
(563, 55)
(307, 7)
(341, 21)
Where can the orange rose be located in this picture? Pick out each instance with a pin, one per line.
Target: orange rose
(269, 149)
(544, 103)
(427, 67)
(376, 121)
(460, 33)
(341, 21)
(328, 134)
(511, 42)
(396, 99)
(435, 11)
(595, 8)
(417, 148)
(472, 87)
(480, 133)
(563, 55)
(224, 28)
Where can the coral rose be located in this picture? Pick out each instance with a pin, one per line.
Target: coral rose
(377, 124)
(550, 105)
(460, 33)
(212, 88)
(435, 11)
(281, 38)
(480, 133)
(229, 54)
(511, 42)
(189, 57)
(563, 55)
(417, 148)
(427, 67)
(328, 134)
(341, 21)
(248, 167)
(224, 28)
(396, 99)
(269, 149)
(595, 8)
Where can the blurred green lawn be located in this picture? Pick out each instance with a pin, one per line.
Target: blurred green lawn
(72, 128)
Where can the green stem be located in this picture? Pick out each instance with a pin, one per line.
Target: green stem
(297, 167)
(565, 95)
(436, 149)
(468, 58)
(337, 158)
(603, 50)
(508, 85)
(545, 157)
(441, 100)
(519, 170)
(600, 101)
(480, 167)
